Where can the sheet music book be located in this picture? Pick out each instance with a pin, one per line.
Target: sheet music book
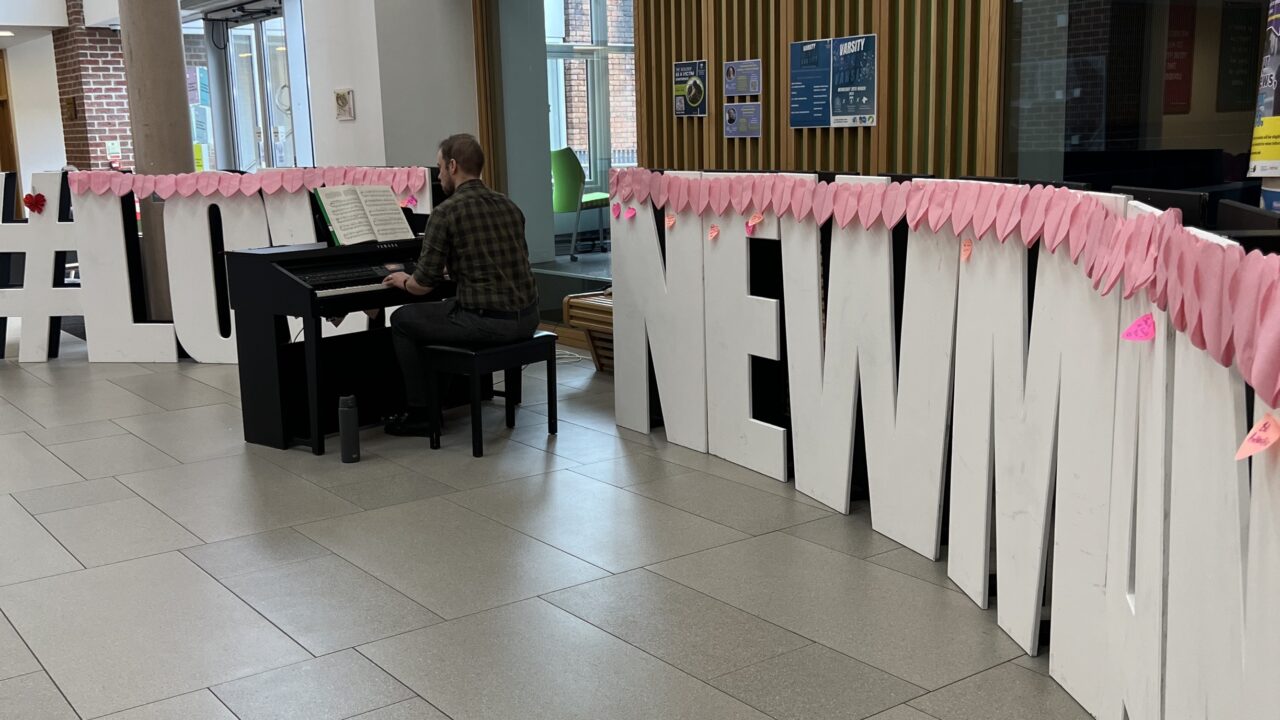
(363, 213)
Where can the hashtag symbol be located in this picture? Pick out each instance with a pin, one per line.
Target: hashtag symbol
(43, 295)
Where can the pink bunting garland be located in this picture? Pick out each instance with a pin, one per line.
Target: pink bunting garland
(102, 182)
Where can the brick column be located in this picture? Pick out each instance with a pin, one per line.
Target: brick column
(93, 92)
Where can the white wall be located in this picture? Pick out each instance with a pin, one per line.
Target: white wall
(525, 120)
(342, 52)
(426, 60)
(36, 13)
(37, 117)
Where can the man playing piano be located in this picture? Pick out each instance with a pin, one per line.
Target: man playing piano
(478, 236)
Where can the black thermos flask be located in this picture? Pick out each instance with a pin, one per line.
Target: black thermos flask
(349, 428)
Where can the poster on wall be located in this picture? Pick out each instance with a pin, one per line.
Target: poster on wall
(1238, 61)
(742, 77)
(811, 84)
(853, 81)
(742, 120)
(1264, 155)
(1179, 58)
(691, 88)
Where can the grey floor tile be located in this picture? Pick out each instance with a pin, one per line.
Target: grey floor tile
(696, 633)
(457, 468)
(33, 696)
(328, 604)
(414, 709)
(630, 470)
(72, 433)
(117, 455)
(917, 566)
(64, 371)
(72, 495)
(902, 712)
(233, 496)
(200, 705)
(191, 435)
(14, 379)
(850, 534)
(447, 558)
(28, 465)
(816, 683)
(329, 688)
(1007, 692)
(729, 503)
(223, 377)
(532, 660)
(27, 550)
(604, 525)
(172, 390)
(136, 632)
(80, 403)
(13, 420)
(394, 490)
(15, 658)
(1039, 663)
(328, 470)
(723, 468)
(117, 530)
(594, 412)
(254, 552)
(907, 627)
(579, 444)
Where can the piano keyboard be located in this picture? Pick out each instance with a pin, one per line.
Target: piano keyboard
(352, 290)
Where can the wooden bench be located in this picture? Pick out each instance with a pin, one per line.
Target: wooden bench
(593, 314)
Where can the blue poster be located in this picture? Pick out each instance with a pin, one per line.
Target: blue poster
(742, 120)
(742, 77)
(811, 84)
(691, 88)
(853, 81)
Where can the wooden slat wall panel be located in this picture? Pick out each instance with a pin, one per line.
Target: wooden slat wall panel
(939, 84)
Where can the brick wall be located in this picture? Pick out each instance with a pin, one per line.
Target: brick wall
(622, 81)
(90, 64)
(195, 50)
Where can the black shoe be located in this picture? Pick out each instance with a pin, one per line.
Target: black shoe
(407, 426)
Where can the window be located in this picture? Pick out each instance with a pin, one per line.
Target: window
(591, 82)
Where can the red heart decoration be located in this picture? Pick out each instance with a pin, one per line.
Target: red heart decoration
(35, 203)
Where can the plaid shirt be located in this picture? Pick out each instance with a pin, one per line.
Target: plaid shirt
(478, 235)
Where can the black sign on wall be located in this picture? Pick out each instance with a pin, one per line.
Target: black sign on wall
(1239, 54)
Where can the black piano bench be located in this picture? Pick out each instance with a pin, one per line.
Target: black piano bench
(476, 363)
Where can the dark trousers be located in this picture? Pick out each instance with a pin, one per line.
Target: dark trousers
(413, 327)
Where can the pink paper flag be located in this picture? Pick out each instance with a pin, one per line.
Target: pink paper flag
(617, 210)
(714, 232)
(966, 249)
(1262, 436)
(630, 214)
(671, 221)
(166, 185)
(823, 202)
(1142, 330)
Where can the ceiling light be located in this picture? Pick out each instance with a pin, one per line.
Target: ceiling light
(6, 33)
(245, 55)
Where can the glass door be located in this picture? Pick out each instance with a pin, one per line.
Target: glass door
(279, 102)
(262, 112)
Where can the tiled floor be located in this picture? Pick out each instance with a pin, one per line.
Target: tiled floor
(153, 566)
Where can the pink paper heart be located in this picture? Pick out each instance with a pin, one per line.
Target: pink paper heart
(1125, 234)
(1057, 217)
(250, 183)
(679, 193)
(625, 188)
(122, 184)
(617, 210)
(1264, 372)
(630, 214)
(1009, 210)
(144, 186)
(417, 179)
(984, 209)
(1033, 213)
(228, 184)
(940, 204)
(333, 176)
(293, 180)
(100, 182)
(762, 193)
(802, 199)
(918, 199)
(719, 192)
(743, 187)
(1207, 272)
(640, 185)
(272, 181)
(399, 180)
(166, 185)
(1223, 344)
(1078, 226)
(358, 176)
(186, 184)
(77, 182)
(659, 188)
(1254, 282)
(963, 205)
(699, 195)
(613, 181)
(871, 203)
(823, 202)
(894, 204)
(846, 203)
(783, 186)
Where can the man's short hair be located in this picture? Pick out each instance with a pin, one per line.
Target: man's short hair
(464, 149)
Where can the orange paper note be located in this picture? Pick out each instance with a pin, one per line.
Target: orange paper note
(966, 249)
(671, 220)
(1262, 436)
(755, 220)
(714, 232)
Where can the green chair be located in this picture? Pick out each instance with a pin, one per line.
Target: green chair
(567, 183)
